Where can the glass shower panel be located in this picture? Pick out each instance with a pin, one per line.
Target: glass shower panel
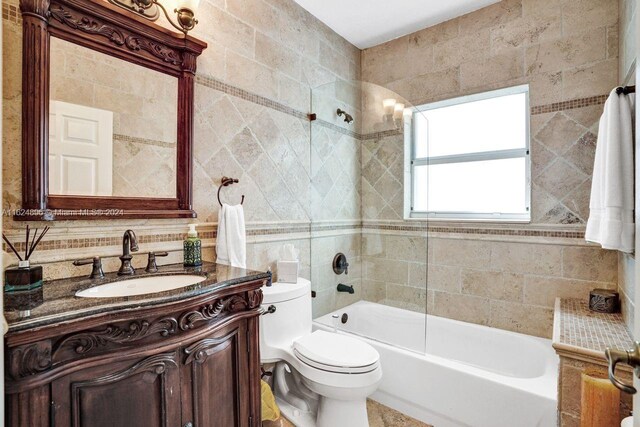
(362, 165)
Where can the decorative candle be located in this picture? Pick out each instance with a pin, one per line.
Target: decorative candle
(600, 403)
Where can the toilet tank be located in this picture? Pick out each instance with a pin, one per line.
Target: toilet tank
(290, 320)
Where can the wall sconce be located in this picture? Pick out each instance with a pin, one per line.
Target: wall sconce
(185, 11)
(388, 106)
(398, 111)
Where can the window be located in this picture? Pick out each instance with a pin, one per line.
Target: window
(470, 158)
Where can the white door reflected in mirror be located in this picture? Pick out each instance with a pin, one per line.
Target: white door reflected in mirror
(80, 150)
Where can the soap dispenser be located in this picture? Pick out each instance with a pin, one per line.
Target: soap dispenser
(192, 248)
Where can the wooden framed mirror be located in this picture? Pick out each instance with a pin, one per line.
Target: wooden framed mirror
(107, 126)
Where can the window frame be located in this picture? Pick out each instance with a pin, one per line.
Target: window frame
(411, 161)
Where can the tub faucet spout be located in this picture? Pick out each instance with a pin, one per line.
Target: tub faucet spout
(345, 288)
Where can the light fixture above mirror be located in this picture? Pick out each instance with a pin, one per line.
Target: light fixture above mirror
(184, 9)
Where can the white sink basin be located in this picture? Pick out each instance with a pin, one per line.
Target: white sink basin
(141, 286)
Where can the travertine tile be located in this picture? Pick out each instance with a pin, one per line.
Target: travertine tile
(523, 318)
(468, 47)
(578, 15)
(406, 297)
(525, 31)
(443, 278)
(466, 308)
(493, 284)
(496, 14)
(526, 258)
(493, 69)
(465, 253)
(392, 271)
(543, 291)
(568, 52)
(560, 178)
(590, 263)
(590, 79)
(560, 133)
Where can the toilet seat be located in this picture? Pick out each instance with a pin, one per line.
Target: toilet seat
(336, 353)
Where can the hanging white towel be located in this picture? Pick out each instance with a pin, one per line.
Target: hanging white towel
(611, 218)
(231, 243)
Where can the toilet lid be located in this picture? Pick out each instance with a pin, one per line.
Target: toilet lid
(336, 353)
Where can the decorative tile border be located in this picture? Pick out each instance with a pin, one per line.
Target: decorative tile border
(211, 233)
(94, 242)
(11, 13)
(518, 232)
(380, 135)
(569, 105)
(216, 84)
(136, 140)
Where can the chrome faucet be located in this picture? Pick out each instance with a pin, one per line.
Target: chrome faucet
(129, 244)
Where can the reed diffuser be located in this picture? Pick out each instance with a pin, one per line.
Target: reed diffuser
(24, 277)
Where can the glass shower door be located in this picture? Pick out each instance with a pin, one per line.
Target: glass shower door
(387, 254)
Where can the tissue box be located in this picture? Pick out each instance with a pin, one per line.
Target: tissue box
(288, 271)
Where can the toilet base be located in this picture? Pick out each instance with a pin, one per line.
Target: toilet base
(297, 417)
(331, 413)
(306, 403)
(342, 413)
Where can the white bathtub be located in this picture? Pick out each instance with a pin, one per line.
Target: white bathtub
(469, 375)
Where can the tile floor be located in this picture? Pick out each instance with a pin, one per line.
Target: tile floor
(379, 416)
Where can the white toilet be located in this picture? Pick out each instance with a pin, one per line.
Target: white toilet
(321, 378)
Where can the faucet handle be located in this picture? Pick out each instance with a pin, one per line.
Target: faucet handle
(152, 267)
(96, 272)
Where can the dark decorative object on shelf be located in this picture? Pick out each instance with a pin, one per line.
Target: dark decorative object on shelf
(23, 284)
(604, 301)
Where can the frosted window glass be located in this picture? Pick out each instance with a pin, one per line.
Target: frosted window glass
(486, 125)
(492, 186)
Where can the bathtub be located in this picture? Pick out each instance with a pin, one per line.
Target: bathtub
(462, 374)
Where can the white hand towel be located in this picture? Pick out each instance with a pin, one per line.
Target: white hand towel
(231, 243)
(611, 218)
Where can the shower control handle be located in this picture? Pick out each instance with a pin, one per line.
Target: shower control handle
(628, 357)
(340, 264)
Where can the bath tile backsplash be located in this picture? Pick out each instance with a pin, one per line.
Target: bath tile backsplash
(508, 285)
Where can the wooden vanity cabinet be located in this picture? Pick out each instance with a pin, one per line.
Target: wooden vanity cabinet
(191, 363)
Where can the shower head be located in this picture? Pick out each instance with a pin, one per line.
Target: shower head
(348, 118)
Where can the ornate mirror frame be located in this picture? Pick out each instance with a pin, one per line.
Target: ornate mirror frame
(105, 28)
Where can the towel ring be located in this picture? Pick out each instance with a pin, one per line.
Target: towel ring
(226, 181)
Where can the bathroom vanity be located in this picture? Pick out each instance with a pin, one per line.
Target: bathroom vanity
(183, 357)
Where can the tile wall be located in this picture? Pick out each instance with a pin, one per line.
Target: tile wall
(567, 52)
(252, 99)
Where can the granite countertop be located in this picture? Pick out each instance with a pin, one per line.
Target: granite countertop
(59, 302)
(580, 331)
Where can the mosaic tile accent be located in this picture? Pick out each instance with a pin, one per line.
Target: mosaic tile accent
(521, 232)
(216, 84)
(380, 135)
(60, 244)
(569, 105)
(136, 140)
(585, 329)
(11, 13)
